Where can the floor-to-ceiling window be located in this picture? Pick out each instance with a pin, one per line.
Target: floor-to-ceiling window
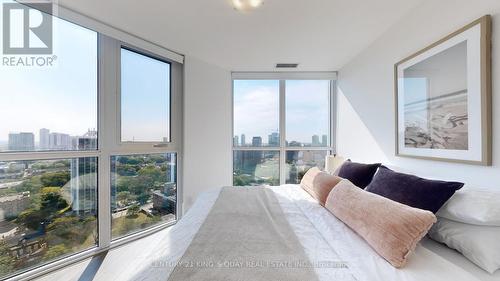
(281, 127)
(89, 145)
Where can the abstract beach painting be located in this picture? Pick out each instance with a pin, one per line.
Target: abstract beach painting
(443, 98)
(435, 109)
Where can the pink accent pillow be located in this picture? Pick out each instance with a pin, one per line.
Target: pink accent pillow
(319, 184)
(390, 228)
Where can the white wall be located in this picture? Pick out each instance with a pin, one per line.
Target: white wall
(365, 129)
(207, 129)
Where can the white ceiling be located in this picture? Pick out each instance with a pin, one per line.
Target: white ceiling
(319, 34)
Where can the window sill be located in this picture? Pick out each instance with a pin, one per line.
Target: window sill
(30, 274)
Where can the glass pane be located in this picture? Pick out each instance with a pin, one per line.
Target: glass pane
(256, 113)
(145, 98)
(307, 113)
(48, 210)
(256, 168)
(52, 107)
(143, 191)
(298, 162)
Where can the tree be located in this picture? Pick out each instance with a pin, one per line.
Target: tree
(143, 198)
(123, 184)
(133, 210)
(126, 170)
(61, 164)
(55, 252)
(7, 262)
(151, 173)
(242, 179)
(30, 218)
(70, 229)
(151, 177)
(131, 160)
(51, 200)
(58, 179)
(158, 159)
(33, 185)
(123, 196)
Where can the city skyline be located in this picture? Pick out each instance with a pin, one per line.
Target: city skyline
(47, 140)
(257, 110)
(273, 140)
(62, 97)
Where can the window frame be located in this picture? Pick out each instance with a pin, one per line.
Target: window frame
(151, 55)
(109, 43)
(138, 233)
(283, 148)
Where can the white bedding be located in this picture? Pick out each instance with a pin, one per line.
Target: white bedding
(323, 237)
(458, 259)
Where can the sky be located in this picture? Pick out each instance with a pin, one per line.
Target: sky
(62, 98)
(256, 109)
(307, 111)
(145, 103)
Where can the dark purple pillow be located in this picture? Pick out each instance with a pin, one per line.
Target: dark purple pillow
(359, 174)
(411, 190)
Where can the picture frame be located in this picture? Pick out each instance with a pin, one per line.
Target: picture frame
(443, 98)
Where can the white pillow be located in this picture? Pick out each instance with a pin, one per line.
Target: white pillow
(480, 244)
(474, 206)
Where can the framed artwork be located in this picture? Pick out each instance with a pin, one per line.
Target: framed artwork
(443, 98)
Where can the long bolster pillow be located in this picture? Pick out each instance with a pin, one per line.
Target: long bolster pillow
(319, 184)
(390, 228)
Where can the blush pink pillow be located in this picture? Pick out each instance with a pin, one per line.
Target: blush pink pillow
(390, 228)
(319, 184)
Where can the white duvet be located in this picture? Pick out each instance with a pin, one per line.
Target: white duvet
(323, 237)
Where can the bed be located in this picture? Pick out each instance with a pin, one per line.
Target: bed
(323, 238)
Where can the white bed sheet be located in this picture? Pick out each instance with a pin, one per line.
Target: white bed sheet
(363, 261)
(323, 237)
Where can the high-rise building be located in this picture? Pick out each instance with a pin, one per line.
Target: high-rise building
(21, 141)
(88, 141)
(172, 169)
(44, 139)
(243, 140)
(58, 141)
(83, 185)
(235, 141)
(274, 139)
(256, 141)
(294, 143)
(324, 140)
(83, 172)
(315, 140)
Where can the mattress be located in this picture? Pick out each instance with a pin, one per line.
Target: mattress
(323, 237)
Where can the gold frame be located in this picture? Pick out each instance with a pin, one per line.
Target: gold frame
(486, 87)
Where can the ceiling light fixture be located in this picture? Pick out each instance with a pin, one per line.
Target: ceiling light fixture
(246, 5)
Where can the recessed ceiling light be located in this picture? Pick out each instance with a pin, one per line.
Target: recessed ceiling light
(246, 5)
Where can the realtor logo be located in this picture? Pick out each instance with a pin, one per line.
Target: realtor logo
(26, 30)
